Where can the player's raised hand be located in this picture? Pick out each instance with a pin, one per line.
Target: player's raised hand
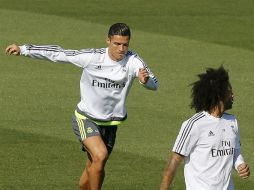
(12, 49)
(243, 170)
(143, 75)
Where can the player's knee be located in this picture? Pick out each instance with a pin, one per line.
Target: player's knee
(100, 158)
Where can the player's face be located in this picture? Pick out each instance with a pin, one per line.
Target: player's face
(118, 47)
(229, 99)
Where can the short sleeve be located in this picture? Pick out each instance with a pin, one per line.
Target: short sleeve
(186, 139)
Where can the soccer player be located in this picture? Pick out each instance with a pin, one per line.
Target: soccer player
(108, 74)
(208, 142)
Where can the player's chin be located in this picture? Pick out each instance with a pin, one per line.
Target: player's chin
(120, 57)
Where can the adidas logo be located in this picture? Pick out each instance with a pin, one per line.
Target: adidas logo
(210, 134)
(98, 67)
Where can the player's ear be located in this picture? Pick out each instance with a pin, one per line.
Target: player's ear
(108, 40)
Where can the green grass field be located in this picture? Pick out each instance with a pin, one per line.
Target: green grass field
(177, 39)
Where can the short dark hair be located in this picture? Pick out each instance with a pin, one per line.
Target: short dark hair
(121, 29)
(211, 88)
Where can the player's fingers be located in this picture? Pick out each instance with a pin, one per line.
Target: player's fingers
(244, 175)
(244, 172)
(15, 52)
(143, 71)
(12, 49)
(7, 50)
(145, 74)
(243, 167)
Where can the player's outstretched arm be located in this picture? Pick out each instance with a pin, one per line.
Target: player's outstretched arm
(12, 49)
(170, 170)
(55, 53)
(243, 170)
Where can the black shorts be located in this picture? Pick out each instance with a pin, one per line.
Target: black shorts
(85, 128)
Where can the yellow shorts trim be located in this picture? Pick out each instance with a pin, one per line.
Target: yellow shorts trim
(81, 128)
(80, 116)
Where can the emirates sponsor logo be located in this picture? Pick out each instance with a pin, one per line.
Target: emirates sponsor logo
(108, 84)
(225, 150)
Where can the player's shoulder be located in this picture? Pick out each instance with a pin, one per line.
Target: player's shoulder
(195, 119)
(133, 55)
(197, 116)
(97, 54)
(228, 116)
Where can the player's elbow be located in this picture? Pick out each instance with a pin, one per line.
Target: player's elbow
(152, 84)
(154, 88)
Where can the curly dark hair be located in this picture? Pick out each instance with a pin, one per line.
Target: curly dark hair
(211, 88)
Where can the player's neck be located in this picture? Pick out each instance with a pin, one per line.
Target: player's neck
(217, 111)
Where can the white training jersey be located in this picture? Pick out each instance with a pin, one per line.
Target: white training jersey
(104, 83)
(211, 147)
